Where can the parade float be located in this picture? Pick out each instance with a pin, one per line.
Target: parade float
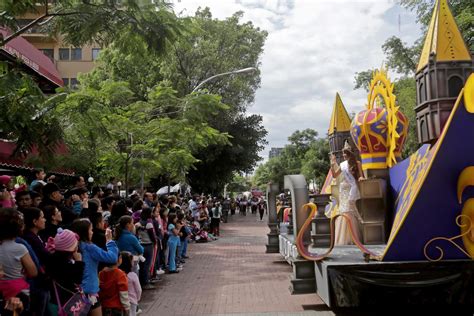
(417, 215)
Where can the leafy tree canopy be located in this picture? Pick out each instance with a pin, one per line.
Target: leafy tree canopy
(103, 22)
(305, 154)
(26, 113)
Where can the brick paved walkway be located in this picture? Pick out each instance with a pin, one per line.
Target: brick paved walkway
(232, 275)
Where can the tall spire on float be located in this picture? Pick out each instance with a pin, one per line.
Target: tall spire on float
(445, 63)
(339, 128)
(340, 120)
(443, 40)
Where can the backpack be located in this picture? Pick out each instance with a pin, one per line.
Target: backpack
(77, 305)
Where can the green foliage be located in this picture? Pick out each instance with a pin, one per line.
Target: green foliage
(109, 132)
(239, 184)
(140, 68)
(26, 117)
(305, 154)
(362, 79)
(405, 90)
(216, 46)
(134, 111)
(401, 58)
(212, 47)
(102, 22)
(316, 162)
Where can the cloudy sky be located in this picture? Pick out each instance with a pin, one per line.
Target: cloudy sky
(313, 50)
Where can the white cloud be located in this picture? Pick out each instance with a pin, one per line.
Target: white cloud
(313, 50)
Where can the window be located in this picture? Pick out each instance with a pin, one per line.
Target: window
(455, 85)
(95, 53)
(422, 93)
(49, 52)
(74, 83)
(76, 53)
(66, 82)
(64, 54)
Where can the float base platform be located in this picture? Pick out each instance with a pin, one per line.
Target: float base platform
(302, 279)
(346, 283)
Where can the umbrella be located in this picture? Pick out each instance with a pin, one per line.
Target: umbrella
(176, 188)
(163, 190)
(172, 189)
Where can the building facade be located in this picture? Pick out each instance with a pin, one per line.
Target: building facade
(69, 61)
(275, 152)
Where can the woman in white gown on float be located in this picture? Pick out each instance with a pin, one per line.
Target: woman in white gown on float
(349, 170)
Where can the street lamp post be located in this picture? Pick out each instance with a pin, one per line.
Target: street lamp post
(234, 72)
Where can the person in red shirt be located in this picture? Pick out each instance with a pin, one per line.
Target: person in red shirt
(113, 293)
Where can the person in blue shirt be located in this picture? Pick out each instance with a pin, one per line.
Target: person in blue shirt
(173, 241)
(125, 237)
(92, 255)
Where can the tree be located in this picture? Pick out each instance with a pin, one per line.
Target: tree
(401, 58)
(139, 67)
(219, 162)
(238, 184)
(215, 46)
(26, 114)
(152, 23)
(405, 90)
(316, 161)
(211, 47)
(103, 22)
(362, 79)
(305, 154)
(110, 132)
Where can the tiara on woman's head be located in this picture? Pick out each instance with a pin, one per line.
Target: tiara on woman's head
(347, 147)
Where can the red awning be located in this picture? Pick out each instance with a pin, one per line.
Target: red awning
(8, 161)
(33, 58)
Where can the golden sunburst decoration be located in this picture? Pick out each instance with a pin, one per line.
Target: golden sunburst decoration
(381, 89)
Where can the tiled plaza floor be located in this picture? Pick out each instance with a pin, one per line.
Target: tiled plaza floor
(232, 275)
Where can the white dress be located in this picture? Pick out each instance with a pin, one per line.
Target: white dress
(348, 195)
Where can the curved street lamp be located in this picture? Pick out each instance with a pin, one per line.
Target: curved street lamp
(234, 72)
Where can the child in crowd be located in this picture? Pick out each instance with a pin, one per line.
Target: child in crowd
(92, 255)
(173, 241)
(98, 229)
(134, 288)
(114, 290)
(216, 218)
(183, 238)
(125, 236)
(65, 267)
(127, 241)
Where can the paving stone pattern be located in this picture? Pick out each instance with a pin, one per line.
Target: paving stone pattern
(232, 275)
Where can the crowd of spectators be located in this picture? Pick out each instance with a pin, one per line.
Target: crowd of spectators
(92, 252)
